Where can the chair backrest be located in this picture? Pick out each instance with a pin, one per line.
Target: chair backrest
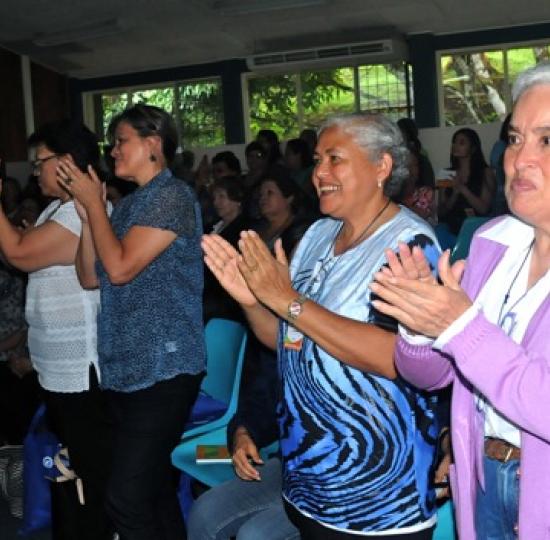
(225, 343)
(465, 235)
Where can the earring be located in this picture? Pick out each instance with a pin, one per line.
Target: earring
(379, 184)
(152, 157)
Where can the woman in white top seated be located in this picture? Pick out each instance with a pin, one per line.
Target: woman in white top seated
(62, 330)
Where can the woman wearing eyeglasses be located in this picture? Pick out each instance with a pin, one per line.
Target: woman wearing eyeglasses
(62, 331)
(150, 333)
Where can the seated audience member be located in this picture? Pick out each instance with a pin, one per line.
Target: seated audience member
(299, 161)
(270, 143)
(249, 507)
(418, 198)
(11, 195)
(256, 161)
(228, 196)
(357, 442)
(62, 332)
(309, 136)
(473, 183)
(409, 130)
(499, 205)
(225, 164)
(282, 208)
(19, 389)
(490, 326)
(150, 333)
(183, 167)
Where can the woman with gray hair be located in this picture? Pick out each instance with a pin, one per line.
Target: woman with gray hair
(487, 332)
(357, 443)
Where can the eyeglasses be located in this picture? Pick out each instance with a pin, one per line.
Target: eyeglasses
(37, 163)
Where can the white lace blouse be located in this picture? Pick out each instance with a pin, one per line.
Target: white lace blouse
(62, 317)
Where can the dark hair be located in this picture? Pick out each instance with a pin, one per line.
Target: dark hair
(287, 186)
(232, 186)
(254, 146)
(310, 137)
(230, 159)
(409, 130)
(274, 151)
(477, 160)
(149, 121)
(68, 137)
(299, 146)
(503, 134)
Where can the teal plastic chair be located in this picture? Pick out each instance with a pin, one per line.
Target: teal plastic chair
(465, 235)
(445, 528)
(225, 346)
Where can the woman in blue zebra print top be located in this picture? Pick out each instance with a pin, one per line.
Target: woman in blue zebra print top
(357, 441)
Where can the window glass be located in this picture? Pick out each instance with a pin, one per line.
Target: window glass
(474, 87)
(197, 108)
(289, 103)
(383, 89)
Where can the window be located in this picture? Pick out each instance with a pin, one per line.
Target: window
(476, 85)
(196, 106)
(288, 103)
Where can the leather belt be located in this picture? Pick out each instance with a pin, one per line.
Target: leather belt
(501, 450)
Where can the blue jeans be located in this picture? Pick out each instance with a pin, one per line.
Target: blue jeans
(497, 507)
(248, 510)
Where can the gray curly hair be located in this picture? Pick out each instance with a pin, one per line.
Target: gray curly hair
(376, 135)
(539, 74)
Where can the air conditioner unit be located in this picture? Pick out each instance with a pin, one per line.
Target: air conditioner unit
(367, 52)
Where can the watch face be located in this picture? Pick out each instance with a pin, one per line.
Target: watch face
(294, 309)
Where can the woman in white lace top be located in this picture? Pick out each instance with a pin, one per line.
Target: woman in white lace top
(62, 327)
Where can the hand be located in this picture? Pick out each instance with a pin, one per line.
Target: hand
(442, 472)
(20, 366)
(245, 452)
(87, 188)
(426, 308)
(266, 276)
(222, 259)
(410, 264)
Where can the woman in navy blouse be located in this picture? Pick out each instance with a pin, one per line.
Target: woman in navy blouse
(146, 261)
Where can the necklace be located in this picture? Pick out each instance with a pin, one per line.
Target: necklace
(507, 295)
(360, 238)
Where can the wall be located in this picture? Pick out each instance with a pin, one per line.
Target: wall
(50, 101)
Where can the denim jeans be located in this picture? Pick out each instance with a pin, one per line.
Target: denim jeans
(248, 510)
(497, 507)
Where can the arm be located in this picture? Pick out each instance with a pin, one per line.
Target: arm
(482, 203)
(46, 245)
(85, 259)
(269, 280)
(124, 259)
(516, 380)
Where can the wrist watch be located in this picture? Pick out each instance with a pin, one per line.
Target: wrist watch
(296, 307)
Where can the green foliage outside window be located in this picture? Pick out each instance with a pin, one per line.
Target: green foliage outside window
(291, 102)
(476, 86)
(196, 106)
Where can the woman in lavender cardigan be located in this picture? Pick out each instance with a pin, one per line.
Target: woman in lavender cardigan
(491, 339)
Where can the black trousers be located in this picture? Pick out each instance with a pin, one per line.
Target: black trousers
(82, 422)
(141, 498)
(312, 530)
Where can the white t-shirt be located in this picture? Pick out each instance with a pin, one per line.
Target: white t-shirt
(62, 317)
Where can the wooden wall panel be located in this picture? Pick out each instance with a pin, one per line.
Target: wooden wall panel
(50, 95)
(12, 111)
